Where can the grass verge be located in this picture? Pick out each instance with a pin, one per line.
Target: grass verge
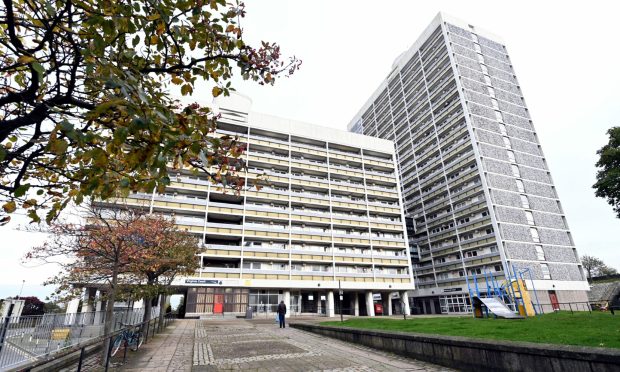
(582, 329)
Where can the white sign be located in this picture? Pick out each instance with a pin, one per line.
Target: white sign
(310, 298)
(322, 298)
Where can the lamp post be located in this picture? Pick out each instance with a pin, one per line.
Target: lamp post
(21, 289)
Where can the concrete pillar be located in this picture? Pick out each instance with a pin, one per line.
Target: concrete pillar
(356, 304)
(370, 304)
(331, 306)
(287, 302)
(99, 309)
(389, 303)
(72, 306)
(405, 301)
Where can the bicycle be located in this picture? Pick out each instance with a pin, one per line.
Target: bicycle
(132, 338)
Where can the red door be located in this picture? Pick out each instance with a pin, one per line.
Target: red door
(218, 304)
(555, 304)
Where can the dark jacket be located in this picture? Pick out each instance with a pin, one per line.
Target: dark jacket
(281, 309)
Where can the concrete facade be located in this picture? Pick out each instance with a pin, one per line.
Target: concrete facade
(329, 216)
(478, 195)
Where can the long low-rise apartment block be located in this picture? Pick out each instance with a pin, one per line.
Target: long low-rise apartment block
(328, 219)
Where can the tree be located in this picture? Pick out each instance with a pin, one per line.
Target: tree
(85, 96)
(608, 175)
(596, 267)
(107, 249)
(168, 253)
(33, 306)
(52, 307)
(591, 265)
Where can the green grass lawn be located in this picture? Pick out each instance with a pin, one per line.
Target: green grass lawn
(584, 329)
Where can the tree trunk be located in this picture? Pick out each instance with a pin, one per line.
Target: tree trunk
(162, 310)
(148, 307)
(109, 315)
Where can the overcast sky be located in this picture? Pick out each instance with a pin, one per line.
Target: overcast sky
(565, 55)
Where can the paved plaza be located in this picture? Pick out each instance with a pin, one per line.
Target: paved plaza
(223, 345)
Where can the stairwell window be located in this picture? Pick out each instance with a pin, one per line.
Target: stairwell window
(530, 217)
(525, 202)
(540, 253)
(502, 127)
(511, 156)
(545, 271)
(520, 186)
(515, 170)
(534, 234)
(507, 142)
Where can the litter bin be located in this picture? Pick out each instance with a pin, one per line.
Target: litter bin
(249, 313)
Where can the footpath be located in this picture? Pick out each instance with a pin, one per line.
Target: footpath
(224, 345)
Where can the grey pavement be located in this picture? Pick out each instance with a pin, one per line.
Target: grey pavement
(224, 345)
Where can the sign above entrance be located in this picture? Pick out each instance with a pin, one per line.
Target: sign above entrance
(453, 289)
(203, 281)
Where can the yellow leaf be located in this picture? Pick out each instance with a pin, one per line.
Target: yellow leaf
(177, 80)
(153, 17)
(9, 207)
(216, 91)
(154, 39)
(26, 59)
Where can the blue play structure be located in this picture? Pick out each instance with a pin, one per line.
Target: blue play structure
(509, 293)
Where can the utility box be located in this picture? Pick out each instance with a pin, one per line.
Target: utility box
(249, 313)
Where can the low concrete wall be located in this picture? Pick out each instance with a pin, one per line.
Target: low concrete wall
(469, 354)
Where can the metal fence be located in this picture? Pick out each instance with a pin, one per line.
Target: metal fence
(87, 356)
(26, 338)
(563, 306)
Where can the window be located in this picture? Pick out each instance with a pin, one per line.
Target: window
(525, 202)
(545, 271)
(515, 170)
(520, 186)
(502, 127)
(534, 234)
(487, 80)
(477, 48)
(480, 58)
(489, 89)
(498, 268)
(540, 253)
(530, 217)
(507, 142)
(485, 70)
(474, 37)
(494, 103)
(511, 156)
(499, 117)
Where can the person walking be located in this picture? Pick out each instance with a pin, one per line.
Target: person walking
(282, 313)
